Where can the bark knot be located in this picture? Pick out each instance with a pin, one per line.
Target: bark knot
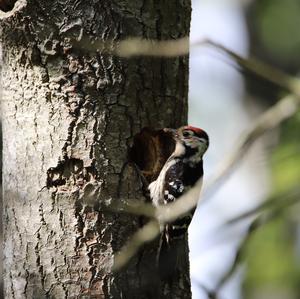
(69, 173)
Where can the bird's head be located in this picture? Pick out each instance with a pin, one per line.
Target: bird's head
(190, 141)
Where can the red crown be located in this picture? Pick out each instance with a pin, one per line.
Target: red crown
(196, 130)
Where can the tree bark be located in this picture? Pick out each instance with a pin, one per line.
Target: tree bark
(69, 118)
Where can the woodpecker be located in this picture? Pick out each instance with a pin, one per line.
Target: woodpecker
(180, 173)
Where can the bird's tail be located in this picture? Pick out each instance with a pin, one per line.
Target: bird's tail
(171, 257)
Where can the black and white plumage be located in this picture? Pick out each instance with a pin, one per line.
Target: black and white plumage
(182, 171)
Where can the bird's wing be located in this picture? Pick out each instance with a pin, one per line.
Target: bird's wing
(174, 185)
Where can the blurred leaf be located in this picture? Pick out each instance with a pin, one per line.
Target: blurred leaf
(286, 158)
(278, 26)
(270, 257)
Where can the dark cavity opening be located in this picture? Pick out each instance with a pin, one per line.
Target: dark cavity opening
(151, 149)
(7, 5)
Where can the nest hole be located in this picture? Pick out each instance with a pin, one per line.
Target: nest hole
(150, 150)
(7, 5)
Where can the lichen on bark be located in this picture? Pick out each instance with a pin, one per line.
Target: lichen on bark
(69, 118)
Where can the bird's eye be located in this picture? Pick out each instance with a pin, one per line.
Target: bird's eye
(186, 134)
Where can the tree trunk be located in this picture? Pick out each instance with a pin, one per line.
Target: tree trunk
(69, 117)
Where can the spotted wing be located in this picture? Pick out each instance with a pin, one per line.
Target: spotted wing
(173, 189)
(174, 185)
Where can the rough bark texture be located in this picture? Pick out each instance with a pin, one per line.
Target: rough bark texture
(69, 117)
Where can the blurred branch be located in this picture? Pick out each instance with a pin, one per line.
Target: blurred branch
(134, 207)
(239, 254)
(281, 205)
(145, 234)
(210, 294)
(276, 203)
(237, 260)
(257, 67)
(273, 117)
(135, 46)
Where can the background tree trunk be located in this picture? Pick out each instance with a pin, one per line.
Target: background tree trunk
(69, 117)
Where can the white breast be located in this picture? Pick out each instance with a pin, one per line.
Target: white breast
(156, 187)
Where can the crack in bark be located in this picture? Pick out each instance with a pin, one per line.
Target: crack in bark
(38, 261)
(12, 285)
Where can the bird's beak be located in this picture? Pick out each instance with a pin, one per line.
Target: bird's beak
(173, 132)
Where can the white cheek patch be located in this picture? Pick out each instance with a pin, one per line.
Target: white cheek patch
(179, 150)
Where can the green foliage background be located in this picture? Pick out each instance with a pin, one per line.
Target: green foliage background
(273, 252)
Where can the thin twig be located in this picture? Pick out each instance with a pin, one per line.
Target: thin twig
(133, 207)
